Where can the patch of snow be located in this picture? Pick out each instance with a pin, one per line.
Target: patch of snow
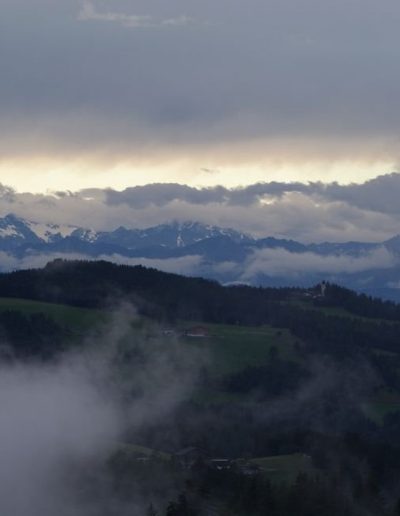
(89, 235)
(47, 231)
(9, 231)
(179, 241)
(42, 231)
(64, 231)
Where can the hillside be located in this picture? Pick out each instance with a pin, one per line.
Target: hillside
(244, 326)
(259, 385)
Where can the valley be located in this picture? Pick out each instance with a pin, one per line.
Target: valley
(258, 385)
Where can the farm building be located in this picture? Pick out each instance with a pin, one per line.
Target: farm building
(197, 332)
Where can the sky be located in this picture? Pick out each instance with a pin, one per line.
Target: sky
(118, 93)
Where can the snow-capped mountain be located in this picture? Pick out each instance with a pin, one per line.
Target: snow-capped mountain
(222, 254)
(174, 235)
(16, 231)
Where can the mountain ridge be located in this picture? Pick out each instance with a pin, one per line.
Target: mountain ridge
(12, 225)
(221, 254)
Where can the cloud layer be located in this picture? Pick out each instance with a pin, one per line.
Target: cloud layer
(308, 212)
(250, 91)
(282, 263)
(305, 212)
(132, 21)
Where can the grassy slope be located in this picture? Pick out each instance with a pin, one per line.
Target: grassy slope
(382, 404)
(278, 468)
(233, 348)
(78, 319)
(229, 348)
(285, 468)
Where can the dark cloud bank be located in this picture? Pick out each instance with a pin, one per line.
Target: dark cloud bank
(308, 212)
(119, 75)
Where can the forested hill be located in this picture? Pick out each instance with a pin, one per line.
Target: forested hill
(155, 293)
(163, 295)
(340, 323)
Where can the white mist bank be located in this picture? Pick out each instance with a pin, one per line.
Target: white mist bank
(50, 416)
(58, 420)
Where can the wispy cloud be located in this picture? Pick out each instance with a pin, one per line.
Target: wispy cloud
(184, 265)
(280, 262)
(89, 12)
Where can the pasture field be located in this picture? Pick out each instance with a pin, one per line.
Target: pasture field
(75, 318)
(285, 468)
(381, 405)
(230, 348)
(233, 348)
(278, 468)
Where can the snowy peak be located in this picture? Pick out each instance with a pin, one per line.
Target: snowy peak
(179, 241)
(221, 254)
(189, 233)
(176, 235)
(86, 235)
(50, 232)
(17, 230)
(172, 236)
(18, 235)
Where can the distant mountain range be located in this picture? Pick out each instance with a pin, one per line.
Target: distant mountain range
(222, 254)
